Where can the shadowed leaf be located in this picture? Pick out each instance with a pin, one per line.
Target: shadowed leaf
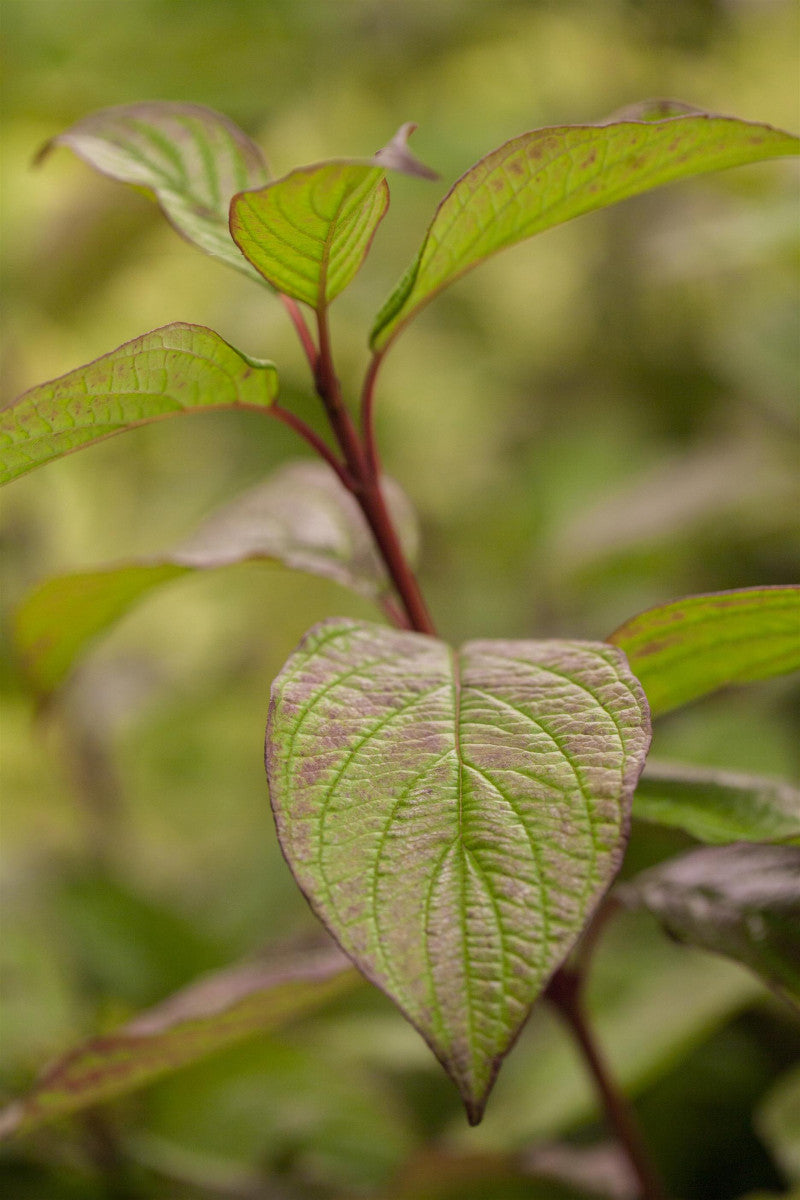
(693, 646)
(211, 1014)
(550, 175)
(192, 159)
(178, 368)
(454, 818)
(742, 901)
(301, 516)
(778, 1123)
(718, 806)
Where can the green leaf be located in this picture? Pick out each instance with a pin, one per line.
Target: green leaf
(550, 175)
(454, 818)
(213, 1013)
(178, 368)
(742, 901)
(301, 516)
(778, 1123)
(693, 646)
(718, 806)
(309, 232)
(192, 159)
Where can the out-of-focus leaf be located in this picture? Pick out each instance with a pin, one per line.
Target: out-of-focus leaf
(176, 369)
(693, 646)
(302, 516)
(778, 1122)
(742, 901)
(551, 175)
(215, 1012)
(718, 806)
(192, 159)
(454, 818)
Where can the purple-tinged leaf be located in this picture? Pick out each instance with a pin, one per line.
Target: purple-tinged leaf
(742, 901)
(718, 806)
(176, 369)
(550, 175)
(207, 1016)
(397, 156)
(301, 516)
(454, 818)
(192, 159)
(693, 646)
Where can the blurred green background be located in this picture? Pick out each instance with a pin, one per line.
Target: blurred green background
(600, 420)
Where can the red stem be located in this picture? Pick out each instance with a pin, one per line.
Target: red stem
(368, 414)
(303, 332)
(314, 440)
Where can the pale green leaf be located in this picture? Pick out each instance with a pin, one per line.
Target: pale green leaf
(550, 175)
(192, 159)
(742, 901)
(302, 516)
(454, 817)
(693, 646)
(718, 806)
(213, 1013)
(176, 369)
(778, 1123)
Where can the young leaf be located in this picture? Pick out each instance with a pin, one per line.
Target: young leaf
(192, 159)
(548, 176)
(718, 806)
(213, 1013)
(454, 818)
(693, 646)
(178, 368)
(309, 232)
(742, 901)
(301, 516)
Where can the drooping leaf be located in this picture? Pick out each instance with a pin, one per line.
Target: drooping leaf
(192, 159)
(693, 646)
(302, 516)
(178, 368)
(718, 806)
(550, 175)
(213, 1013)
(454, 818)
(742, 901)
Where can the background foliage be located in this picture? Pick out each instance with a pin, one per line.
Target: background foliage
(593, 423)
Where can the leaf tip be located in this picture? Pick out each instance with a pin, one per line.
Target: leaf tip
(396, 155)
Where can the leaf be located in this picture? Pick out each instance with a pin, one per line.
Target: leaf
(301, 516)
(192, 159)
(217, 1011)
(454, 818)
(693, 646)
(778, 1123)
(550, 175)
(718, 806)
(178, 368)
(742, 901)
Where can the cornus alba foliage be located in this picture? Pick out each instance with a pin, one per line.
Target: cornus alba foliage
(455, 816)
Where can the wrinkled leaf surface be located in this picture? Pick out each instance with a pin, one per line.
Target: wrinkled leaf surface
(454, 817)
(178, 368)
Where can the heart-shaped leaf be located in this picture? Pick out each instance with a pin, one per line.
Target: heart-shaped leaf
(302, 516)
(178, 368)
(693, 646)
(454, 818)
(191, 158)
(718, 806)
(742, 901)
(548, 176)
(207, 1016)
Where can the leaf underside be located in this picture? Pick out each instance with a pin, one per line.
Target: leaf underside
(693, 646)
(301, 516)
(192, 159)
(178, 368)
(454, 818)
(550, 175)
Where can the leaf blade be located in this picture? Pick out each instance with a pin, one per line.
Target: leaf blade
(551, 175)
(191, 158)
(690, 647)
(177, 368)
(401, 777)
(301, 517)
